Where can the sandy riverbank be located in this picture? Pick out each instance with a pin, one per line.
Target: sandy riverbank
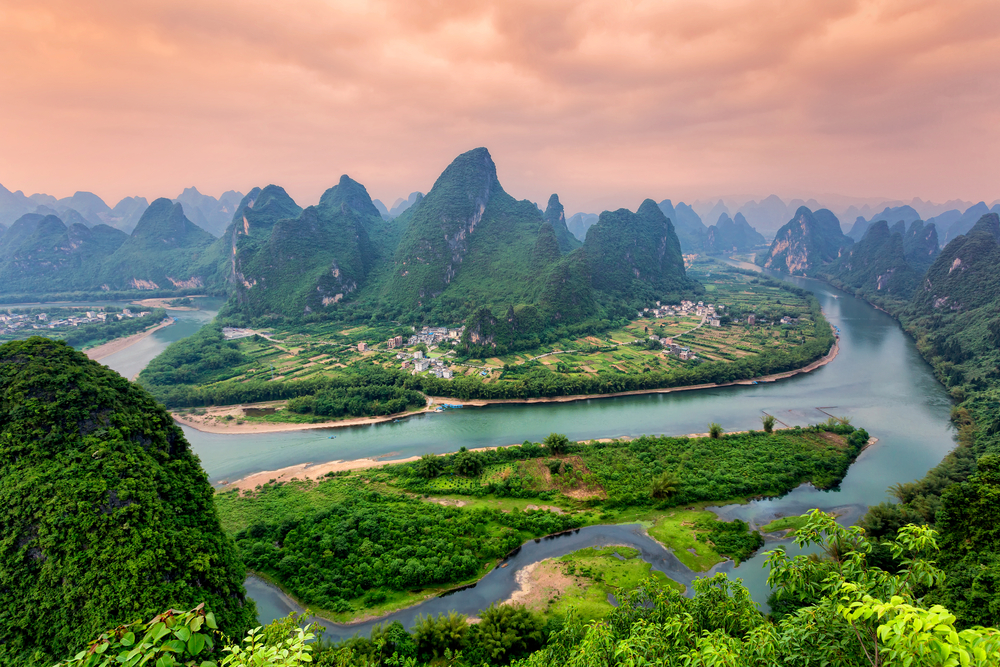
(203, 423)
(162, 302)
(307, 471)
(119, 344)
(207, 423)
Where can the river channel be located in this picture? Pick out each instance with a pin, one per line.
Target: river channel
(878, 381)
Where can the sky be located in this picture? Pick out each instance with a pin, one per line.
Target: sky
(605, 103)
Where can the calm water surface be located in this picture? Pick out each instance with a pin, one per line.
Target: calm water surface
(878, 380)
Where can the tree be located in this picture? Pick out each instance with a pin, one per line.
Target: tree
(557, 443)
(436, 636)
(665, 485)
(429, 466)
(506, 632)
(714, 430)
(768, 422)
(468, 463)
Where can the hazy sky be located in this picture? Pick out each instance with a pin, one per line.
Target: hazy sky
(603, 102)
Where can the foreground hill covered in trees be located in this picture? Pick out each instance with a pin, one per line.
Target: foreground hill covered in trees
(107, 514)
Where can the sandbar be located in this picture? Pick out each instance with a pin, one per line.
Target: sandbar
(119, 344)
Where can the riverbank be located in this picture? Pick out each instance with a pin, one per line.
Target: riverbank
(209, 422)
(823, 361)
(261, 427)
(315, 471)
(163, 302)
(119, 344)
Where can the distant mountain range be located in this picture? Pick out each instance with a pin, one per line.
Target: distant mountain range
(86, 208)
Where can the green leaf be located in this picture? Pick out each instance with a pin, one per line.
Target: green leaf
(195, 644)
(210, 621)
(128, 639)
(182, 633)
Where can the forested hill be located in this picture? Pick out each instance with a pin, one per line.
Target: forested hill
(107, 514)
(877, 264)
(39, 254)
(311, 261)
(953, 312)
(249, 230)
(465, 250)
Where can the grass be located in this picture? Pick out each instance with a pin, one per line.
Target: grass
(584, 579)
(676, 531)
(789, 523)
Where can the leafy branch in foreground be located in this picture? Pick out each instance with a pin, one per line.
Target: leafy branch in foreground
(175, 638)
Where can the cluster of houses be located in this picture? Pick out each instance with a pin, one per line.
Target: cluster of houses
(11, 322)
(419, 364)
(434, 335)
(700, 309)
(669, 347)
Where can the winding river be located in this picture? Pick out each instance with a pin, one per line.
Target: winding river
(878, 380)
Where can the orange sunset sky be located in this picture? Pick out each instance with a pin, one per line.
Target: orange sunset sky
(603, 102)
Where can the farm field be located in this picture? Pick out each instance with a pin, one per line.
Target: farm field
(743, 319)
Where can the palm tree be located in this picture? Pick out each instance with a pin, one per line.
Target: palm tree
(768, 422)
(714, 430)
(665, 485)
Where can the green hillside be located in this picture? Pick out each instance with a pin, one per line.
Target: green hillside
(877, 265)
(161, 253)
(636, 255)
(41, 254)
(467, 241)
(312, 261)
(107, 514)
(249, 230)
(920, 244)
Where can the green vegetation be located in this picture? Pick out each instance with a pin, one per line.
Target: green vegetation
(789, 523)
(584, 579)
(39, 254)
(376, 550)
(847, 609)
(107, 514)
(303, 360)
(367, 542)
(162, 251)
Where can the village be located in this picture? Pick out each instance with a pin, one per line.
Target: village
(11, 322)
(429, 337)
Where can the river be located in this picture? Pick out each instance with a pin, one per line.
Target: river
(878, 381)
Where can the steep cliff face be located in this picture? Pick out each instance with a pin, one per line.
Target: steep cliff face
(805, 243)
(964, 276)
(555, 215)
(467, 241)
